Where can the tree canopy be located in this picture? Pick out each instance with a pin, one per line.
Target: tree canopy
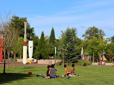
(112, 39)
(68, 42)
(110, 51)
(52, 36)
(96, 45)
(93, 31)
(18, 23)
(42, 50)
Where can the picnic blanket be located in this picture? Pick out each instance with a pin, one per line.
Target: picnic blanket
(43, 76)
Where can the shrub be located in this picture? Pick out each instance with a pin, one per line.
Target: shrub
(59, 63)
(107, 61)
(85, 64)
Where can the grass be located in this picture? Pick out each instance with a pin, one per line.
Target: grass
(88, 75)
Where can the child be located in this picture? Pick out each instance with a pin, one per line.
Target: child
(72, 70)
(47, 74)
(67, 71)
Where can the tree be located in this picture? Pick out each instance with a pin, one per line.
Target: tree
(15, 45)
(112, 39)
(67, 45)
(96, 45)
(8, 37)
(91, 47)
(62, 46)
(52, 37)
(109, 51)
(57, 47)
(93, 31)
(12, 35)
(35, 44)
(51, 49)
(51, 46)
(70, 43)
(42, 50)
(20, 45)
(4, 31)
(18, 23)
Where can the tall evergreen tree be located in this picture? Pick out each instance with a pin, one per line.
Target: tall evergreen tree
(42, 50)
(52, 36)
(67, 45)
(35, 45)
(70, 43)
(51, 47)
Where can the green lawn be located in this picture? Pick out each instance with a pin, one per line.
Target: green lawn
(88, 75)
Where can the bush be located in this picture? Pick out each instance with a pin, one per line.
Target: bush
(59, 63)
(85, 64)
(107, 61)
(78, 64)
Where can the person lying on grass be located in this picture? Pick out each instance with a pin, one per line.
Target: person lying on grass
(72, 70)
(52, 72)
(67, 71)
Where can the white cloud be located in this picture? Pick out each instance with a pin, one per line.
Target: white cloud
(82, 26)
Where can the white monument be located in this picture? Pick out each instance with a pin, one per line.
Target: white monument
(25, 45)
(30, 49)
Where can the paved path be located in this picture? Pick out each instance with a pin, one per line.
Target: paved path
(33, 64)
(21, 64)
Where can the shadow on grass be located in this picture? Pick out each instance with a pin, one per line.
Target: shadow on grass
(9, 77)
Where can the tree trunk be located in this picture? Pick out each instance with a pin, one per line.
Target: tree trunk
(100, 58)
(90, 58)
(8, 62)
(112, 60)
(14, 61)
(20, 55)
(4, 62)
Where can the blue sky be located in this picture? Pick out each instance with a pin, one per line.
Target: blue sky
(60, 14)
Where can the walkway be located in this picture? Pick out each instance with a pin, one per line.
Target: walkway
(21, 64)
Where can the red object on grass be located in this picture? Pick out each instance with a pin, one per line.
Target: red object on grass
(29, 73)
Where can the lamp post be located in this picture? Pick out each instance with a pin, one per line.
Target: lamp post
(55, 56)
(82, 55)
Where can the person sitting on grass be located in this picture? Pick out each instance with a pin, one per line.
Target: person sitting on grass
(52, 72)
(67, 71)
(47, 73)
(72, 70)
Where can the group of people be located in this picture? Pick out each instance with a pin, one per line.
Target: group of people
(101, 62)
(68, 72)
(51, 72)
